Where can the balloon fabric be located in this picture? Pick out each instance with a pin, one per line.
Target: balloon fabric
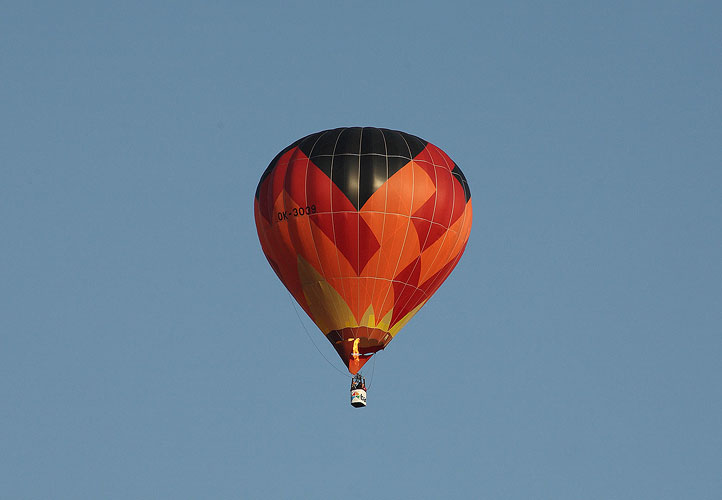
(362, 225)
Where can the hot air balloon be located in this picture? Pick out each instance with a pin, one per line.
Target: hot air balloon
(362, 225)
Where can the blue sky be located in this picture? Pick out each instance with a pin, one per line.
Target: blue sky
(147, 350)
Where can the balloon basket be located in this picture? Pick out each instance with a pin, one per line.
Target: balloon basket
(358, 398)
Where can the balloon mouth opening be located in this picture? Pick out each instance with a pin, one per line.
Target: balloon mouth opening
(355, 346)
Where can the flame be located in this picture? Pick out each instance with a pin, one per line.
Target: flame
(356, 361)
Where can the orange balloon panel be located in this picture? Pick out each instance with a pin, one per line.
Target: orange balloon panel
(362, 225)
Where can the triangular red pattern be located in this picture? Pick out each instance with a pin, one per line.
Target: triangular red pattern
(346, 230)
(410, 274)
(406, 292)
(427, 226)
(440, 211)
(434, 282)
(452, 192)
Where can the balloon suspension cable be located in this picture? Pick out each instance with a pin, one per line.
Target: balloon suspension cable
(295, 309)
(373, 370)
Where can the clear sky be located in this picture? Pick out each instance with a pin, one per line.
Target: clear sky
(147, 350)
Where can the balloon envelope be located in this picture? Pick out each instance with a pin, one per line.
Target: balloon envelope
(362, 225)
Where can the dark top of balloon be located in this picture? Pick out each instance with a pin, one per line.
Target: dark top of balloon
(381, 150)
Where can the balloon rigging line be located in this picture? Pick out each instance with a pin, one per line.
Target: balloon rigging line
(373, 370)
(295, 309)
